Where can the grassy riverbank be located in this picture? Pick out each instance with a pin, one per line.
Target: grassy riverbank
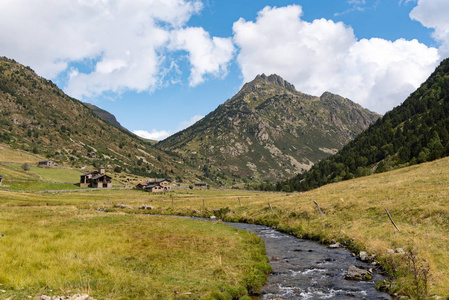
(417, 197)
(61, 250)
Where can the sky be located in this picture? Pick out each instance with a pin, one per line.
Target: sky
(161, 65)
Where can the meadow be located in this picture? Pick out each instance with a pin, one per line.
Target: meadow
(417, 198)
(62, 250)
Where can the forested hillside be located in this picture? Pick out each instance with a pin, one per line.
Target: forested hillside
(414, 132)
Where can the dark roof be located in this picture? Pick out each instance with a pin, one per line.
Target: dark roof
(200, 183)
(158, 181)
(150, 186)
(100, 176)
(92, 172)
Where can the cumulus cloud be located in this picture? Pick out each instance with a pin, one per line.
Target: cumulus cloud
(206, 55)
(159, 135)
(324, 56)
(154, 134)
(433, 14)
(125, 40)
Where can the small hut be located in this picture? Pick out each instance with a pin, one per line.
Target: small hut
(47, 164)
(200, 185)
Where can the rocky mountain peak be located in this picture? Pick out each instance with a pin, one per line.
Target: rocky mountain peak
(275, 79)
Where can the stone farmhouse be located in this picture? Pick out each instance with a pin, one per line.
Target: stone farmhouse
(47, 164)
(96, 179)
(155, 186)
(200, 185)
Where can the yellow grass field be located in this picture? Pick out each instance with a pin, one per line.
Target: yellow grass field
(417, 198)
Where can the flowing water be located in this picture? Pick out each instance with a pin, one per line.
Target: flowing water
(304, 269)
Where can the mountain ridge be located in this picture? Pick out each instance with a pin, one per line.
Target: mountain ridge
(35, 115)
(414, 132)
(269, 130)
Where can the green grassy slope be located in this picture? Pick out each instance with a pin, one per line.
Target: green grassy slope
(35, 115)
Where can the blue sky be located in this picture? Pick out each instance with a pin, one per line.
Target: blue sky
(161, 65)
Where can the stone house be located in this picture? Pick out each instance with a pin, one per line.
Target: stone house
(96, 179)
(159, 185)
(47, 164)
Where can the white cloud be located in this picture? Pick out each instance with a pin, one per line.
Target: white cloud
(184, 124)
(159, 135)
(434, 14)
(206, 55)
(126, 40)
(153, 135)
(326, 56)
(405, 2)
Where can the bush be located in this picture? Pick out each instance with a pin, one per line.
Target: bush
(25, 167)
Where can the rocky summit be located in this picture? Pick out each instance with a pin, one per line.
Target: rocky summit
(269, 131)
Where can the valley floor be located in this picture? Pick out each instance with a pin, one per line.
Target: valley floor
(417, 198)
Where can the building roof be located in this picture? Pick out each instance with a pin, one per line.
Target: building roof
(100, 176)
(91, 172)
(150, 186)
(157, 181)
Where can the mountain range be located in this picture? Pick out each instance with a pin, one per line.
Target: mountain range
(35, 115)
(414, 132)
(269, 131)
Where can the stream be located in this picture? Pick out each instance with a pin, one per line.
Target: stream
(304, 269)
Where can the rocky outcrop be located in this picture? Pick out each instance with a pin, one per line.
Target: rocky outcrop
(358, 273)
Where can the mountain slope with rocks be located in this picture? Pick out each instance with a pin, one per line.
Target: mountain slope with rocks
(414, 132)
(35, 115)
(269, 131)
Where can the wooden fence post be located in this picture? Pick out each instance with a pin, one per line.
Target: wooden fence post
(317, 206)
(391, 219)
(240, 202)
(271, 208)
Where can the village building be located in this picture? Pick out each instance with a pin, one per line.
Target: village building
(154, 186)
(201, 185)
(96, 179)
(47, 164)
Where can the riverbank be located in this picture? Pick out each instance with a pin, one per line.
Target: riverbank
(62, 250)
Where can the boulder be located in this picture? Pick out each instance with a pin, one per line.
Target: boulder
(357, 273)
(364, 256)
(122, 206)
(146, 207)
(336, 245)
(399, 251)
